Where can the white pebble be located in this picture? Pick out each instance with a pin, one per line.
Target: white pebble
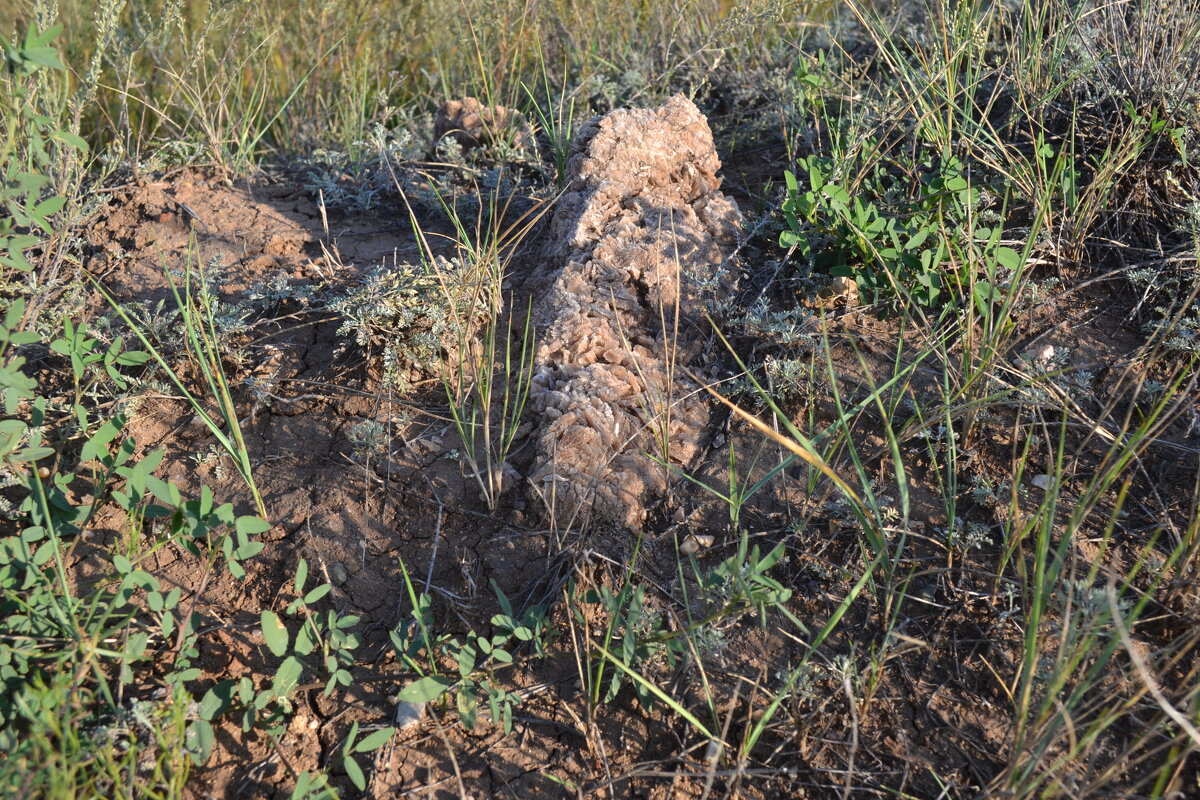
(695, 542)
(1043, 482)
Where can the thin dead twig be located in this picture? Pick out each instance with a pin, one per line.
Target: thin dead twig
(1139, 664)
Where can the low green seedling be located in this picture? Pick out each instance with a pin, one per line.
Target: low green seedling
(354, 746)
(27, 205)
(323, 644)
(917, 249)
(476, 658)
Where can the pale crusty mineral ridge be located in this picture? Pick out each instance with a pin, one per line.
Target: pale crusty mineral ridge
(634, 246)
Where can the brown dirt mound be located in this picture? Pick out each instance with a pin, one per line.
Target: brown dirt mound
(637, 239)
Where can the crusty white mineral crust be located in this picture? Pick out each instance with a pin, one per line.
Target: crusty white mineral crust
(634, 244)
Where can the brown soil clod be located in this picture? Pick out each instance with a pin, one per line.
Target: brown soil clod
(472, 124)
(636, 245)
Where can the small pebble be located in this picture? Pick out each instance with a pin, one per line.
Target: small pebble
(1043, 482)
(409, 714)
(695, 542)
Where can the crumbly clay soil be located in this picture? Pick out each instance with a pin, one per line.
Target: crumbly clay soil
(640, 237)
(472, 124)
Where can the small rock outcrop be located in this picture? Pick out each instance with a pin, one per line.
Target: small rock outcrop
(635, 246)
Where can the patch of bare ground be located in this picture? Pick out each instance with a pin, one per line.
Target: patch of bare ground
(352, 515)
(913, 693)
